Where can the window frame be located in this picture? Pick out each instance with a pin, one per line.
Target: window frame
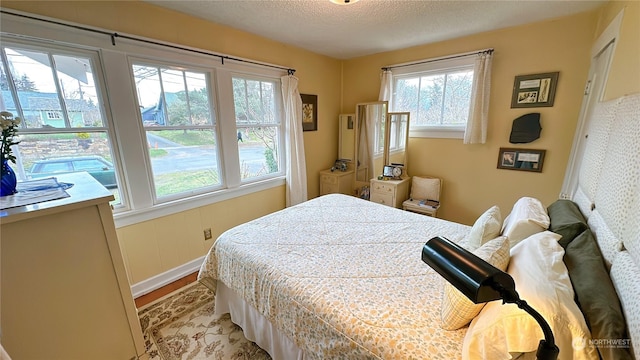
(120, 108)
(431, 67)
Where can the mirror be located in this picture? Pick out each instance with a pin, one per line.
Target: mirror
(396, 140)
(346, 137)
(371, 119)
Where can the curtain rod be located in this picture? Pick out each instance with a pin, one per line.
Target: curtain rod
(478, 52)
(115, 35)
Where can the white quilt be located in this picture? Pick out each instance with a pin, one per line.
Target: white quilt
(341, 277)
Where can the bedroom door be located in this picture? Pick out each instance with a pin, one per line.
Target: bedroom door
(602, 53)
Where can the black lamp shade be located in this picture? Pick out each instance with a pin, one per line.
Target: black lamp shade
(475, 278)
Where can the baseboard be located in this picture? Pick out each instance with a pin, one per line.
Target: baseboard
(167, 277)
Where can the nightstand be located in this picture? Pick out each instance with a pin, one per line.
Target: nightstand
(390, 192)
(336, 182)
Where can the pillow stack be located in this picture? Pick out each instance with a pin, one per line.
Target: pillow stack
(527, 217)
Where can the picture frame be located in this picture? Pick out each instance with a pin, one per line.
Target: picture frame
(309, 112)
(521, 159)
(534, 90)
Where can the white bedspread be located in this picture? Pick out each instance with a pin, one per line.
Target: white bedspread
(341, 277)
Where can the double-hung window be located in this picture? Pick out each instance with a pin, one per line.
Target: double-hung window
(437, 94)
(60, 97)
(180, 128)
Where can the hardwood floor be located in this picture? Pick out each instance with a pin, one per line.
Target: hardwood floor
(156, 294)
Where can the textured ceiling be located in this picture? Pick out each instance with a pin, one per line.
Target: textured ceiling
(372, 26)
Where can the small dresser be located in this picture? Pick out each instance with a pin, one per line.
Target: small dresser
(336, 182)
(390, 192)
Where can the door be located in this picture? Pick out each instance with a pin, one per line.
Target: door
(603, 51)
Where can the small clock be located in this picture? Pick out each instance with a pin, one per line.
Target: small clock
(392, 171)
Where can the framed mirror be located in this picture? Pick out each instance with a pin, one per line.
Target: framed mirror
(347, 137)
(370, 133)
(397, 139)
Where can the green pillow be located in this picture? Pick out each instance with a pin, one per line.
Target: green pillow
(595, 294)
(567, 220)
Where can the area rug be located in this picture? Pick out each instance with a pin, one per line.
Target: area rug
(182, 325)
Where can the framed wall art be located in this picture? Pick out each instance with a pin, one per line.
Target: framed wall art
(309, 112)
(521, 159)
(536, 90)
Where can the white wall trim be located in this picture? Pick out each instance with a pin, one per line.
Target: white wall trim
(167, 277)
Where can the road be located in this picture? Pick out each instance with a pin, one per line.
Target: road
(180, 157)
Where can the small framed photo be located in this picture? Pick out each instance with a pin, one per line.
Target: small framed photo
(309, 112)
(521, 159)
(536, 90)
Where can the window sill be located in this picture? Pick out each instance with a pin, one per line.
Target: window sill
(438, 133)
(130, 217)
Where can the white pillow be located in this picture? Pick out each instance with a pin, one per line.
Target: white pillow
(541, 280)
(457, 310)
(486, 227)
(527, 217)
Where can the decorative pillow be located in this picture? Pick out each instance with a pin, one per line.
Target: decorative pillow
(527, 217)
(425, 188)
(595, 293)
(486, 227)
(542, 281)
(457, 310)
(566, 219)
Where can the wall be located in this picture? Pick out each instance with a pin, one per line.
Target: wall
(156, 246)
(471, 181)
(624, 75)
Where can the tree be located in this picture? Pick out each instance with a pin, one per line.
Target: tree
(23, 83)
(193, 110)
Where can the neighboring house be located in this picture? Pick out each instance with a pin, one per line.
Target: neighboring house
(44, 109)
(156, 114)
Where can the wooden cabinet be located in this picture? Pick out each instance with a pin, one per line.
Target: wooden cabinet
(64, 289)
(336, 182)
(390, 192)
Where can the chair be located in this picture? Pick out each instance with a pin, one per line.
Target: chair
(425, 195)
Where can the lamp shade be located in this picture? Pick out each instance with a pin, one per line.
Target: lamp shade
(475, 278)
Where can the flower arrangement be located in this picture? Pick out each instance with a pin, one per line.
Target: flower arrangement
(9, 126)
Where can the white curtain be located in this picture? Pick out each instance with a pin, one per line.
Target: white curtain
(296, 187)
(386, 86)
(476, 131)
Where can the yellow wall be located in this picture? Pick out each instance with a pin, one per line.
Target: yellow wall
(624, 76)
(156, 246)
(471, 181)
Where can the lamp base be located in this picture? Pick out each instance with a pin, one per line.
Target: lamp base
(547, 351)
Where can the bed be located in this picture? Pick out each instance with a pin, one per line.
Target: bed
(338, 277)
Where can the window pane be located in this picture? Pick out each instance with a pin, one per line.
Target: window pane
(457, 98)
(78, 91)
(46, 155)
(430, 100)
(255, 104)
(183, 160)
(258, 150)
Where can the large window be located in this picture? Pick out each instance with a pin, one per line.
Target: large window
(165, 130)
(257, 125)
(58, 95)
(180, 129)
(436, 94)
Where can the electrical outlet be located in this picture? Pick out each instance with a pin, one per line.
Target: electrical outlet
(207, 234)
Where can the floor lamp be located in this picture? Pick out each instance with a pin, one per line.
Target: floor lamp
(482, 282)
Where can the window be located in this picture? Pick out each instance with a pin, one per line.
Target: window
(258, 127)
(179, 124)
(436, 94)
(179, 129)
(57, 93)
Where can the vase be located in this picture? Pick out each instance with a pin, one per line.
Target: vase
(9, 180)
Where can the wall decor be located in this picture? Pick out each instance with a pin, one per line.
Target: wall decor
(521, 159)
(536, 90)
(309, 112)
